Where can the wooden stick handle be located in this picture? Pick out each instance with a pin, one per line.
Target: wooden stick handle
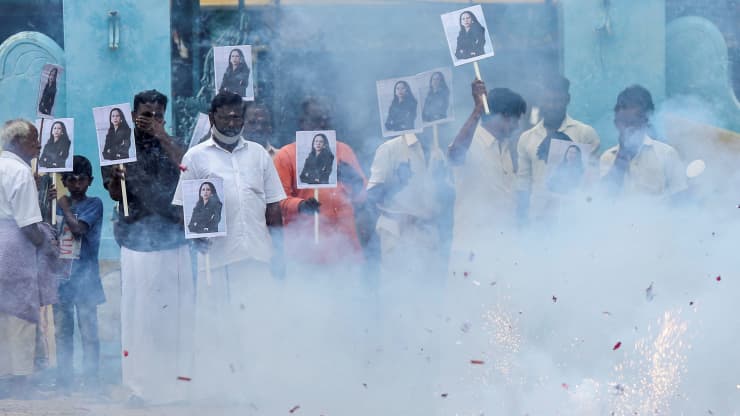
(208, 268)
(485, 98)
(435, 135)
(316, 218)
(54, 201)
(124, 195)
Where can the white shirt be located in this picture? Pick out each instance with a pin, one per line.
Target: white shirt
(485, 197)
(250, 183)
(418, 198)
(655, 170)
(19, 198)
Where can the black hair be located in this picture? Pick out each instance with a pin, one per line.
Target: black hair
(556, 82)
(635, 96)
(224, 98)
(506, 102)
(80, 166)
(150, 96)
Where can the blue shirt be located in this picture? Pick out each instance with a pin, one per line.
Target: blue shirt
(84, 286)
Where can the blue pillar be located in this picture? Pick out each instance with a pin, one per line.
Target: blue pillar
(97, 75)
(600, 63)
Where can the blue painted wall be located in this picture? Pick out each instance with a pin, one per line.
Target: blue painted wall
(600, 65)
(97, 75)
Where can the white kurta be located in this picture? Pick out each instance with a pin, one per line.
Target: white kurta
(156, 322)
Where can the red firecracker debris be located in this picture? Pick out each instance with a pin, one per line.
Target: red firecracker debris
(183, 168)
(443, 395)
(294, 408)
(466, 274)
(554, 298)
(125, 353)
(718, 278)
(691, 303)
(182, 378)
(471, 257)
(479, 362)
(364, 385)
(617, 345)
(564, 385)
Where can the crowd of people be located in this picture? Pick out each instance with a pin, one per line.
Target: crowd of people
(501, 180)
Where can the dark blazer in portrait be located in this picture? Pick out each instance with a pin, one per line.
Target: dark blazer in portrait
(47, 98)
(54, 154)
(471, 43)
(206, 217)
(236, 81)
(317, 168)
(401, 115)
(435, 106)
(117, 144)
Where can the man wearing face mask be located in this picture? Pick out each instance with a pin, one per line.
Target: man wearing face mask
(243, 262)
(155, 259)
(639, 164)
(258, 126)
(534, 201)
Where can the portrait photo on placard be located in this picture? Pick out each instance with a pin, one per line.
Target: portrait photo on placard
(232, 69)
(57, 144)
(201, 131)
(316, 163)
(115, 134)
(435, 96)
(398, 105)
(567, 163)
(467, 35)
(204, 207)
(50, 74)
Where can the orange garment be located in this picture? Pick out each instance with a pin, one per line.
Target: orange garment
(337, 232)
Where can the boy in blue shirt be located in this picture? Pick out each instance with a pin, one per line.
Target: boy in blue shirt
(80, 221)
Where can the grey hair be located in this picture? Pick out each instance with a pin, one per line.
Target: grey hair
(15, 129)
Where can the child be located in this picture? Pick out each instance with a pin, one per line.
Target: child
(80, 220)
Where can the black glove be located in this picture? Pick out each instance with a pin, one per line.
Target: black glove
(349, 176)
(309, 206)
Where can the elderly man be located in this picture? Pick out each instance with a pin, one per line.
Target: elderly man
(240, 291)
(156, 278)
(535, 202)
(21, 289)
(639, 164)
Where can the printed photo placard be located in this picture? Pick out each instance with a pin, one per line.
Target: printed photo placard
(316, 161)
(57, 144)
(115, 134)
(467, 35)
(233, 71)
(398, 105)
(204, 207)
(46, 103)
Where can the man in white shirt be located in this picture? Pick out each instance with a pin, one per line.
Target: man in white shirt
(20, 238)
(228, 310)
(483, 156)
(640, 165)
(534, 147)
(404, 185)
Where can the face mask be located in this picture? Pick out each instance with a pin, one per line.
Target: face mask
(224, 138)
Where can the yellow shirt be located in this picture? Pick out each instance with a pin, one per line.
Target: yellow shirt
(485, 197)
(656, 170)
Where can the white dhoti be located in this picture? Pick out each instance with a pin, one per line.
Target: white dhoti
(156, 322)
(233, 333)
(17, 346)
